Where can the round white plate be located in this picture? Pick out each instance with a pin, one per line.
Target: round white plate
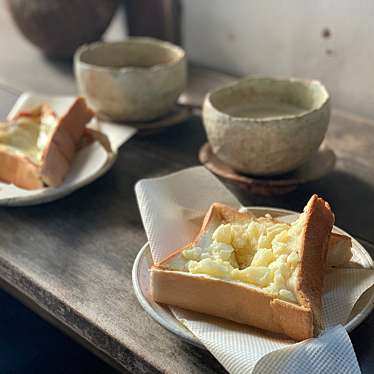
(49, 194)
(162, 314)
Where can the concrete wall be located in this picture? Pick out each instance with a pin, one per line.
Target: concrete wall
(331, 40)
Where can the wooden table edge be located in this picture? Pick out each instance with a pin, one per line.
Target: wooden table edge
(67, 319)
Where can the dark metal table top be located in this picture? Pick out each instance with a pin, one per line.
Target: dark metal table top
(71, 260)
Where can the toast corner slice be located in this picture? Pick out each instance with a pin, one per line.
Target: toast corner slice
(319, 221)
(62, 142)
(249, 305)
(60, 151)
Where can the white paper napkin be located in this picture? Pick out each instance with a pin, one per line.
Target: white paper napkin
(170, 207)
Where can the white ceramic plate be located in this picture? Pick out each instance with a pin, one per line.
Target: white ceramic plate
(162, 314)
(89, 164)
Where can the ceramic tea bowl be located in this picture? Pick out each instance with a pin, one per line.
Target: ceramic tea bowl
(266, 126)
(138, 79)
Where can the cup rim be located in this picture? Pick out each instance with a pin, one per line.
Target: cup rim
(178, 52)
(326, 100)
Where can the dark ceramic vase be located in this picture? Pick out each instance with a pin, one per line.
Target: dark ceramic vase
(59, 27)
(159, 19)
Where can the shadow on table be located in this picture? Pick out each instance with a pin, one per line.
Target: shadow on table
(351, 198)
(203, 356)
(359, 338)
(28, 344)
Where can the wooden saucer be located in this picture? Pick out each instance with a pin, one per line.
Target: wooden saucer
(321, 164)
(179, 114)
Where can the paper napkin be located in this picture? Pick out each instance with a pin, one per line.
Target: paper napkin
(171, 208)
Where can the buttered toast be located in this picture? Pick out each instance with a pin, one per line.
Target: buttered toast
(37, 147)
(256, 271)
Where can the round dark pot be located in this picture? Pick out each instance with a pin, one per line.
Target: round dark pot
(59, 27)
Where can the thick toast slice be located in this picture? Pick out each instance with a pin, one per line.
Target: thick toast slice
(256, 271)
(37, 147)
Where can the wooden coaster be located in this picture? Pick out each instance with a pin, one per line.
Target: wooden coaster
(321, 164)
(179, 114)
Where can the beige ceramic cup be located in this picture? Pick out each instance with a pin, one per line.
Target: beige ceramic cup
(138, 79)
(264, 126)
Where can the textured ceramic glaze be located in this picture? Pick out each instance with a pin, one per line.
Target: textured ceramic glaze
(265, 126)
(138, 79)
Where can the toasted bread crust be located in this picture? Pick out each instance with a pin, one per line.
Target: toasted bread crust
(57, 155)
(60, 151)
(340, 250)
(249, 305)
(19, 170)
(231, 300)
(313, 252)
